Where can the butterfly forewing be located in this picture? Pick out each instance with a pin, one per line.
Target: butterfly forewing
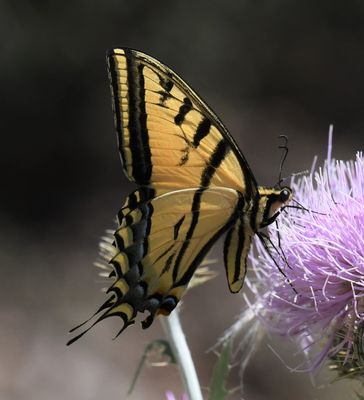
(168, 137)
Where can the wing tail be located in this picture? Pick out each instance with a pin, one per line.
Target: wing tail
(123, 310)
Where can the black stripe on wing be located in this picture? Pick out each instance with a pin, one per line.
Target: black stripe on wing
(112, 71)
(202, 254)
(216, 158)
(202, 131)
(139, 139)
(141, 164)
(236, 249)
(183, 110)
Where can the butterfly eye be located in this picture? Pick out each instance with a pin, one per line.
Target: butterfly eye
(284, 195)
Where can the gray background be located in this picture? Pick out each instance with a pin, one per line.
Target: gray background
(266, 67)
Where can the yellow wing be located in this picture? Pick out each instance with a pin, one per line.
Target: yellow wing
(168, 137)
(159, 245)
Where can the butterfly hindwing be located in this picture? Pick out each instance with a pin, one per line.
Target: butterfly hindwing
(179, 230)
(168, 137)
(159, 245)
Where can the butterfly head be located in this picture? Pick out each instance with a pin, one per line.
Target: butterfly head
(270, 202)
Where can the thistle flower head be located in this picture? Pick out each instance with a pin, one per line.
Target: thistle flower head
(171, 396)
(322, 301)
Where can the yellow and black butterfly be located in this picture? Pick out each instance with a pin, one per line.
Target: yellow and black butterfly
(194, 185)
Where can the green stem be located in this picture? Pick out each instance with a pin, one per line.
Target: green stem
(177, 339)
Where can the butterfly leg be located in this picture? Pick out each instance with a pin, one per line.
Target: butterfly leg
(263, 237)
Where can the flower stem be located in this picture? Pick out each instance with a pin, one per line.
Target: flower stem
(177, 339)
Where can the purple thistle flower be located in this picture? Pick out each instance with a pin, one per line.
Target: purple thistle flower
(324, 251)
(171, 396)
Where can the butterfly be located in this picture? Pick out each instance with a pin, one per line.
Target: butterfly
(194, 185)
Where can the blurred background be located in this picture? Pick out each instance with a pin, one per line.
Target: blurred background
(266, 67)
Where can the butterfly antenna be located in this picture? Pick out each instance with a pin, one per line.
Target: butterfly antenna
(300, 173)
(295, 174)
(283, 146)
(263, 237)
